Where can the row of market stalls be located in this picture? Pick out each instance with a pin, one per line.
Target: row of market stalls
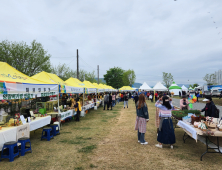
(160, 87)
(40, 98)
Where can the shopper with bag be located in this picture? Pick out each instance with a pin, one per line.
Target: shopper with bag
(141, 119)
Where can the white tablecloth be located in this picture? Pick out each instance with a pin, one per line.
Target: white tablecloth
(66, 114)
(39, 122)
(188, 128)
(10, 133)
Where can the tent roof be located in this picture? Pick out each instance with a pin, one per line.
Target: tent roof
(145, 87)
(159, 86)
(11, 75)
(75, 82)
(49, 78)
(184, 88)
(174, 86)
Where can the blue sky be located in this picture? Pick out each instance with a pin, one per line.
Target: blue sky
(182, 37)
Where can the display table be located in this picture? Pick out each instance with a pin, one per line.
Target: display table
(195, 133)
(10, 133)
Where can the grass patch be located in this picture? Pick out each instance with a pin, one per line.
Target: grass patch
(66, 132)
(82, 138)
(104, 120)
(72, 142)
(79, 168)
(87, 149)
(82, 128)
(93, 166)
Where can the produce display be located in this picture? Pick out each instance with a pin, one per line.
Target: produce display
(179, 114)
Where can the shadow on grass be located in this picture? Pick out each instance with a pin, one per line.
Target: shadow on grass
(72, 142)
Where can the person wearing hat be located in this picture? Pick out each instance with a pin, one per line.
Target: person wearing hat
(210, 108)
(184, 103)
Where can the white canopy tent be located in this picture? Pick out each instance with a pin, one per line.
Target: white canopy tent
(184, 88)
(145, 87)
(159, 87)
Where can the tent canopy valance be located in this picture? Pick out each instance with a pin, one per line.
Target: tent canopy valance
(16, 85)
(63, 86)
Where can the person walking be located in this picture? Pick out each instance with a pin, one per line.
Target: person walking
(151, 96)
(113, 99)
(135, 98)
(106, 102)
(122, 96)
(166, 133)
(78, 109)
(126, 100)
(110, 101)
(141, 119)
(184, 103)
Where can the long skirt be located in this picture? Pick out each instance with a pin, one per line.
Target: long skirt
(167, 135)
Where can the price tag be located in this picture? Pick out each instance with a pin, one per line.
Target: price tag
(23, 119)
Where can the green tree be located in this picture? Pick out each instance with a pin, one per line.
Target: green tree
(194, 85)
(27, 59)
(167, 79)
(210, 79)
(129, 77)
(64, 72)
(114, 77)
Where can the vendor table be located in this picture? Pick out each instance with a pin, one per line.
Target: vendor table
(10, 133)
(195, 133)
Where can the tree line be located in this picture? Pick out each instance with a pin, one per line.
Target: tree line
(32, 59)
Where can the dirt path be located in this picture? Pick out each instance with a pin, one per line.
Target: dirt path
(120, 149)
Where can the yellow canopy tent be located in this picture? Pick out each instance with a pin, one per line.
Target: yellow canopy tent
(63, 86)
(16, 85)
(88, 88)
(126, 88)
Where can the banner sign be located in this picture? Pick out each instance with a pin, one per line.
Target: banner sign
(66, 114)
(20, 90)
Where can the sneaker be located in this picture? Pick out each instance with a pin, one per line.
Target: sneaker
(124, 107)
(159, 146)
(145, 143)
(171, 146)
(138, 141)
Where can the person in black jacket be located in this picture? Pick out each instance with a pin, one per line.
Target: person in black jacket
(210, 108)
(125, 100)
(110, 101)
(135, 98)
(141, 119)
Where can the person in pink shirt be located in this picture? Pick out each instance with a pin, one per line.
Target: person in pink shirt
(184, 103)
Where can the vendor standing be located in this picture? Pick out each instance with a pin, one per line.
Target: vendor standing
(184, 103)
(64, 98)
(166, 133)
(78, 109)
(210, 108)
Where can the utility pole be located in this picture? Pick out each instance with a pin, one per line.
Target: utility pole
(77, 65)
(98, 72)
